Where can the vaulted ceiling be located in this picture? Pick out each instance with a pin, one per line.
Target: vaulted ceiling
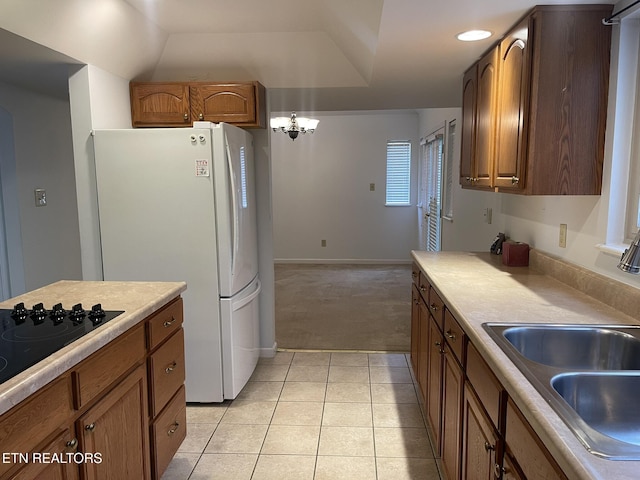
(312, 55)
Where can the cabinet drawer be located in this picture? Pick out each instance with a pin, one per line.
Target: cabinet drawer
(523, 444)
(167, 372)
(104, 367)
(168, 432)
(436, 307)
(164, 323)
(454, 336)
(415, 275)
(485, 384)
(28, 425)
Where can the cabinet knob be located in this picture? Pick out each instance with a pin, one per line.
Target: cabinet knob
(201, 117)
(173, 429)
(433, 307)
(498, 471)
(171, 367)
(514, 180)
(450, 335)
(72, 444)
(90, 428)
(488, 447)
(423, 288)
(186, 116)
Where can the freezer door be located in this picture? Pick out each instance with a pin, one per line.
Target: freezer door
(157, 223)
(235, 208)
(240, 338)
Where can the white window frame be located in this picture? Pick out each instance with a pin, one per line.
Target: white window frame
(625, 150)
(398, 180)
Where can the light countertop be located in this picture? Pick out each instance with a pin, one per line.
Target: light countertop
(137, 299)
(477, 288)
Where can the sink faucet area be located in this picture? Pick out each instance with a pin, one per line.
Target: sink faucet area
(589, 375)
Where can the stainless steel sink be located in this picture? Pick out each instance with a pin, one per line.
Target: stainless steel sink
(576, 347)
(590, 375)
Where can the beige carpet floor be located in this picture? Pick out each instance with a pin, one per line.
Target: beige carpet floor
(343, 307)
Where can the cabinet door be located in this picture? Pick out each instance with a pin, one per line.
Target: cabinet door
(452, 384)
(468, 146)
(514, 72)
(423, 349)
(160, 104)
(434, 382)
(479, 440)
(415, 329)
(231, 103)
(486, 118)
(117, 428)
(64, 443)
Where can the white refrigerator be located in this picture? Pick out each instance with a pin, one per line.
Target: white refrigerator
(178, 204)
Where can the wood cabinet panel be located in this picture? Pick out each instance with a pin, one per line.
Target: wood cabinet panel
(415, 329)
(231, 103)
(164, 323)
(117, 427)
(160, 104)
(434, 383)
(33, 420)
(486, 385)
(486, 118)
(166, 371)
(455, 337)
(480, 440)
(468, 134)
(62, 444)
(423, 351)
(436, 307)
(523, 445)
(168, 431)
(452, 387)
(104, 367)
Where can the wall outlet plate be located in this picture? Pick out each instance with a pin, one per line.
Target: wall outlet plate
(41, 197)
(562, 242)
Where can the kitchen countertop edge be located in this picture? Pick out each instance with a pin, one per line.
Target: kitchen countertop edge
(473, 286)
(137, 299)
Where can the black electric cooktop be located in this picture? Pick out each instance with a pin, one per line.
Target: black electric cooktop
(28, 336)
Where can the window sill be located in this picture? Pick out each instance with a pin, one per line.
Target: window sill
(614, 249)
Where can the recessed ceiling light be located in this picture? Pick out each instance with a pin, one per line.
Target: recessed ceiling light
(473, 35)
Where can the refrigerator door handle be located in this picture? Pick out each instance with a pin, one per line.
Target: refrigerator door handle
(234, 209)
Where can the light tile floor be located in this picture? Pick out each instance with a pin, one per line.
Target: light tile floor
(312, 416)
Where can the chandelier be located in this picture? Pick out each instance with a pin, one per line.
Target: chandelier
(294, 125)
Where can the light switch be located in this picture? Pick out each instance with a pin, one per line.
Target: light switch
(372, 187)
(41, 197)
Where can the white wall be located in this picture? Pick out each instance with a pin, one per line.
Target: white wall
(44, 159)
(321, 190)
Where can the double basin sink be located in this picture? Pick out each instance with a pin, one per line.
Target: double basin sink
(589, 375)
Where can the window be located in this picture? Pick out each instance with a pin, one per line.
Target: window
(624, 191)
(398, 173)
(447, 189)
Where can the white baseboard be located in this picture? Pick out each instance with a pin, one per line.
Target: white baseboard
(343, 261)
(269, 352)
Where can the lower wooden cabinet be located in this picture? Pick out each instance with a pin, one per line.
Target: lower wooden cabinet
(116, 428)
(452, 387)
(63, 444)
(434, 384)
(480, 449)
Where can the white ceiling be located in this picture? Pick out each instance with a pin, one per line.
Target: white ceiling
(312, 55)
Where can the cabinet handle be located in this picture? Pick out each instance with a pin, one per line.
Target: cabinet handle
(433, 307)
(201, 117)
(186, 116)
(171, 367)
(497, 471)
(414, 274)
(72, 444)
(173, 429)
(423, 288)
(168, 323)
(514, 180)
(90, 428)
(488, 447)
(450, 335)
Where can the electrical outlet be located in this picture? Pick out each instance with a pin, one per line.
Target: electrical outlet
(372, 187)
(323, 243)
(41, 197)
(487, 215)
(563, 236)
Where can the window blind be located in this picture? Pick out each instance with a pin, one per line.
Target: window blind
(398, 173)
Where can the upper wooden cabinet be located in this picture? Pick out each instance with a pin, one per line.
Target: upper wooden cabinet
(179, 104)
(551, 100)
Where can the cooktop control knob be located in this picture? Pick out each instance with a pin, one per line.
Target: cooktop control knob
(77, 313)
(19, 313)
(96, 314)
(38, 313)
(57, 314)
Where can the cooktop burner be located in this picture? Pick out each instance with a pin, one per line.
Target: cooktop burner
(28, 336)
